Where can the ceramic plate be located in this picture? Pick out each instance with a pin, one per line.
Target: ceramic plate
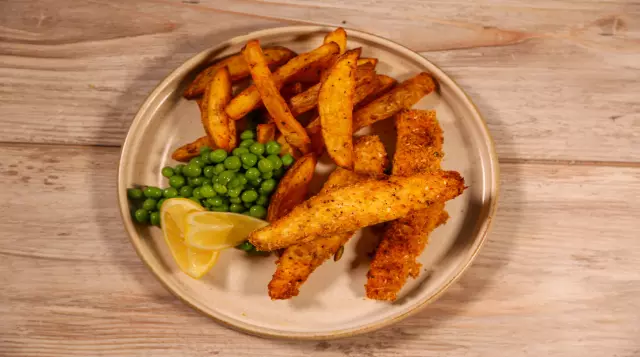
(332, 302)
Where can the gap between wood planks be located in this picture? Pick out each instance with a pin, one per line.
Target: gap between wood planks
(502, 160)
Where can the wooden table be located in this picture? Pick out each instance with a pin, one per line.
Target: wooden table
(557, 80)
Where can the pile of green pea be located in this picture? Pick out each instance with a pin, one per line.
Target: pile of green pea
(239, 182)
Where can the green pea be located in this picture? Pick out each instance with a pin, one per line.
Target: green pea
(246, 167)
(235, 200)
(141, 215)
(239, 151)
(273, 148)
(205, 158)
(278, 173)
(234, 192)
(205, 149)
(159, 205)
(257, 211)
(192, 170)
(217, 156)
(275, 159)
(215, 201)
(265, 165)
(149, 204)
(255, 183)
(154, 218)
(218, 169)
(268, 185)
(196, 193)
(170, 192)
(206, 181)
(247, 134)
(219, 188)
(252, 174)
(195, 199)
(167, 171)
(226, 177)
(267, 175)
(242, 178)
(287, 160)
(262, 200)
(246, 143)
(249, 196)
(209, 171)
(236, 208)
(257, 148)
(134, 193)
(176, 181)
(197, 161)
(152, 192)
(246, 246)
(207, 191)
(234, 183)
(222, 208)
(178, 169)
(196, 181)
(232, 163)
(248, 159)
(247, 205)
(186, 191)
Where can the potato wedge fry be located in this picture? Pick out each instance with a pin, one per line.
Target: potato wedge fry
(364, 204)
(419, 148)
(363, 91)
(364, 60)
(214, 119)
(384, 84)
(233, 135)
(292, 189)
(335, 107)
(401, 97)
(299, 261)
(189, 151)
(238, 69)
(249, 99)
(338, 36)
(293, 132)
(307, 100)
(266, 132)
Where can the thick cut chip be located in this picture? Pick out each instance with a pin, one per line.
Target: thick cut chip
(293, 187)
(189, 151)
(266, 132)
(335, 107)
(238, 69)
(404, 96)
(293, 132)
(250, 98)
(383, 85)
(364, 204)
(214, 118)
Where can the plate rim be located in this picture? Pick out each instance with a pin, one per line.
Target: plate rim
(187, 66)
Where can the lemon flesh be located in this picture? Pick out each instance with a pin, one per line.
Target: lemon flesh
(218, 230)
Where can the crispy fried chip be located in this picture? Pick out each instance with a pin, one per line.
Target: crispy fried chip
(401, 97)
(335, 108)
(189, 151)
(293, 132)
(266, 132)
(238, 69)
(293, 187)
(214, 119)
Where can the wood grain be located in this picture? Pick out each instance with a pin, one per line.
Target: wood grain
(551, 79)
(558, 276)
(556, 80)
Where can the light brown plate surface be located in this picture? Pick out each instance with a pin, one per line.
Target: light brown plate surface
(332, 303)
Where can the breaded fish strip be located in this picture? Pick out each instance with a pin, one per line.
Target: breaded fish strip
(418, 149)
(300, 260)
(363, 204)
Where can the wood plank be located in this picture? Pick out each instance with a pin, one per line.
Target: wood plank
(557, 277)
(554, 80)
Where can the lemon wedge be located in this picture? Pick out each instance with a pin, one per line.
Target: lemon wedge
(193, 261)
(218, 230)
